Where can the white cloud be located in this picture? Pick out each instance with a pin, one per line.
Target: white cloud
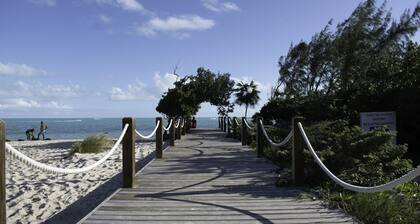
(218, 6)
(40, 90)
(55, 105)
(118, 94)
(20, 70)
(175, 24)
(18, 103)
(49, 3)
(163, 83)
(143, 92)
(129, 5)
(24, 96)
(21, 103)
(61, 91)
(137, 91)
(105, 19)
(182, 36)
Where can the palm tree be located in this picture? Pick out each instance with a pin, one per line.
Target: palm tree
(248, 94)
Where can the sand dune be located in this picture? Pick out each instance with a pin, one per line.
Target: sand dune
(33, 195)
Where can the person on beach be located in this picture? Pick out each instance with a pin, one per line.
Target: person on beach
(30, 134)
(42, 130)
(193, 123)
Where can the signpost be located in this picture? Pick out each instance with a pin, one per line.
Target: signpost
(372, 120)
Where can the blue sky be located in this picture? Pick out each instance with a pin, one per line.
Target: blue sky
(114, 58)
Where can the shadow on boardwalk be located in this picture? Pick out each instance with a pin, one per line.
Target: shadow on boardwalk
(208, 178)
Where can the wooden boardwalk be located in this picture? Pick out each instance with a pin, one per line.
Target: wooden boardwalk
(208, 178)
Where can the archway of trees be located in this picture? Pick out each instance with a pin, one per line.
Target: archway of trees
(193, 90)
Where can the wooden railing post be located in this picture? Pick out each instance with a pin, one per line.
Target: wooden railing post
(178, 130)
(224, 124)
(228, 126)
(260, 149)
(183, 126)
(187, 125)
(243, 131)
(234, 127)
(220, 123)
(129, 153)
(159, 138)
(172, 132)
(297, 153)
(3, 216)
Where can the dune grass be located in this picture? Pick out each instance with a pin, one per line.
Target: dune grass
(93, 144)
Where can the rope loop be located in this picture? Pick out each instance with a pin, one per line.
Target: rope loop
(47, 168)
(169, 126)
(177, 124)
(247, 124)
(151, 134)
(272, 143)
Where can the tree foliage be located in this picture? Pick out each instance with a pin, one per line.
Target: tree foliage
(247, 94)
(367, 63)
(190, 91)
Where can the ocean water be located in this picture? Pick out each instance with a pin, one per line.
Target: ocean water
(78, 128)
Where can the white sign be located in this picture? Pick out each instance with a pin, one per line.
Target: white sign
(372, 120)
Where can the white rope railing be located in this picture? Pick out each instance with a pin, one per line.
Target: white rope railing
(231, 121)
(272, 143)
(247, 124)
(237, 123)
(177, 124)
(44, 167)
(151, 134)
(183, 123)
(169, 126)
(403, 179)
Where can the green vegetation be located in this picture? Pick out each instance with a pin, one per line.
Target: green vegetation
(360, 158)
(93, 144)
(192, 90)
(368, 63)
(247, 94)
(400, 205)
(189, 92)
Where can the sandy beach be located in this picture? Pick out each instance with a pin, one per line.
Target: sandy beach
(33, 195)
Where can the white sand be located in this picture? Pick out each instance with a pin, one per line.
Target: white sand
(33, 195)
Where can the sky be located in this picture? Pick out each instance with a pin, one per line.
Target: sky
(115, 58)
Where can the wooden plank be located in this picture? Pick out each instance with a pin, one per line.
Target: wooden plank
(224, 222)
(218, 212)
(221, 218)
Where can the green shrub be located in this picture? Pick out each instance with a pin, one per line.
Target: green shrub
(93, 144)
(355, 156)
(400, 205)
(361, 158)
(280, 155)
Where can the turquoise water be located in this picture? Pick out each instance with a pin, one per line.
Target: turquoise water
(77, 128)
